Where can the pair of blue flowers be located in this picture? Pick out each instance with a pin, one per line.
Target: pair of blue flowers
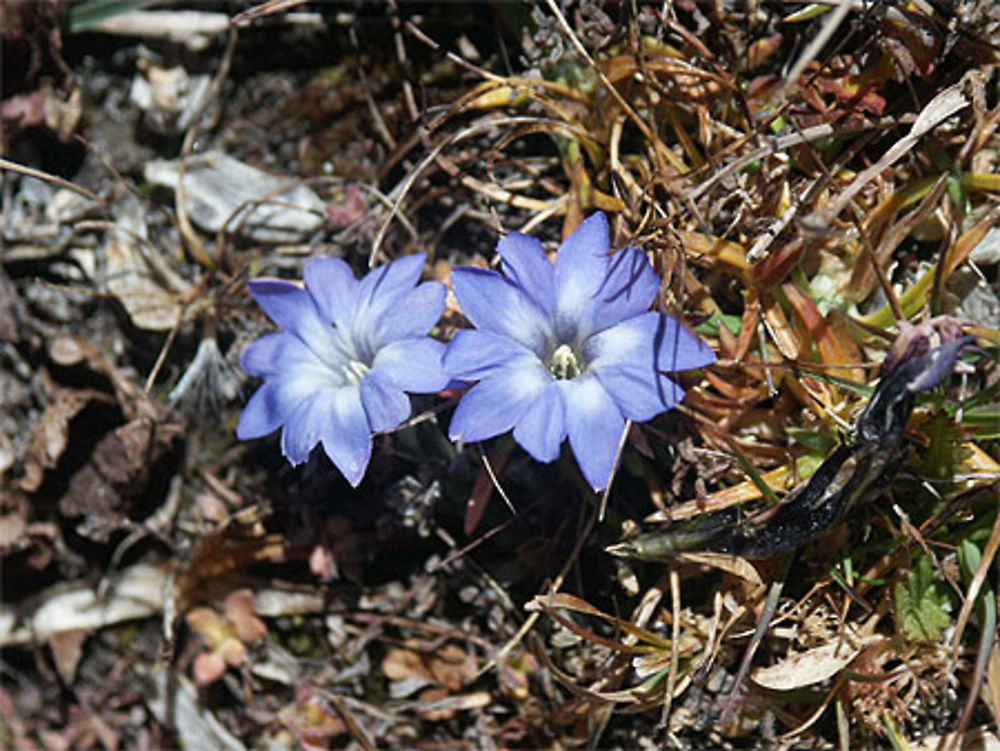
(564, 350)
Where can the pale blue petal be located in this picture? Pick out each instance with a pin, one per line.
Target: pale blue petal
(308, 423)
(385, 405)
(652, 341)
(288, 305)
(412, 365)
(640, 393)
(412, 315)
(349, 444)
(336, 418)
(262, 356)
(332, 284)
(298, 374)
(473, 354)
(284, 355)
(381, 290)
(628, 290)
(542, 428)
(267, 411)
(581, 267)
(295, 310)
(494, 406)
(595, 426)
(525, 264)
(498, 305)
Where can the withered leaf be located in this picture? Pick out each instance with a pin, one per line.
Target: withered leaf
(51, 432)
(67, 649)
(811, 667)
(117, 474)
(131, 278)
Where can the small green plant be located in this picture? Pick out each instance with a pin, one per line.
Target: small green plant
(921, 603)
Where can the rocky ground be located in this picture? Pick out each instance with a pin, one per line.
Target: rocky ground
(167, 586)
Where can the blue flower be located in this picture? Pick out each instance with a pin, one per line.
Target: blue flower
(348, 352)
(566, 350)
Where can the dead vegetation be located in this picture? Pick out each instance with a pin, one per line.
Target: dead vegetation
(812, 182)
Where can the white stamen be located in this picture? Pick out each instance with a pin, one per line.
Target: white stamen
(563, 363)
(354, 371)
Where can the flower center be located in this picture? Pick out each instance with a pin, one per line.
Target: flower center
(563, 363)
(354, 370)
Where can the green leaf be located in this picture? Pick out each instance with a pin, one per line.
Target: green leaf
(860, 389)
(818, 443)
(90, 13)
(983, 416)
(711, 326)
(920, 601)
(984, 397)
(969, 557)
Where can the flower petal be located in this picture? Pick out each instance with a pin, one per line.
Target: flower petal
(542, 428)
(473, 354)
(385, 405)
(595, 426)
(294, 310)
(581, 267)
(294, 374)
(284, 355)
(641, 394)
(262, 357)
(527, 266)
(349, 445)
(381, 290)
(412, 365)
(651, 340)
(335, 417)
(266, 411)
(494, 405)
(498, 305)
(628, 290)
(332, 284)
(306, 425)
(288, 305)
(413, 314)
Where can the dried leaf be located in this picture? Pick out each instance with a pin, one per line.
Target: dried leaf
(310, 720)
(550, 603)
(761, 50)
(452, 667)
(223, 192)
(514, 672)
(780, 329)
(208, 624)
(104, 491)
(12, 530)
(833, 342)
(404, 664)
(731, 564)
(239, 609)
(774, 268)
(67, 649)
(208, 668)
(131, 279)
(782, 478)
(51, 432)
(135, 593)
(945, 104)
(811, 667)
(706, 250)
